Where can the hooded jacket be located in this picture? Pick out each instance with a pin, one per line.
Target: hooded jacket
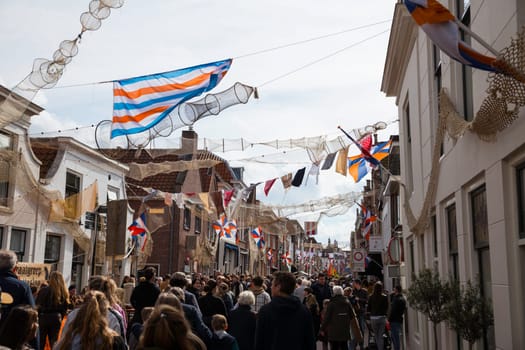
(285, 324)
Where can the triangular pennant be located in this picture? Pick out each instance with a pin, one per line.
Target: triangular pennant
(298, 178)
(268, 185)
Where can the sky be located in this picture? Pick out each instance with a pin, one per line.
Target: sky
(306, 89)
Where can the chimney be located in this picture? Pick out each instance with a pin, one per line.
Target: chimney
(189, 142)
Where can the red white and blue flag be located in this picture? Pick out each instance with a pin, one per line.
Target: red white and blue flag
(140, 103)
(368, 220)
(139, 231)
(370, 157)
(440, 26)
(258, 238)
(269, 254)
(225, 228)
(287, 259)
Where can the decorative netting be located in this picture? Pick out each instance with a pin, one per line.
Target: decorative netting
(505, 97)
(185, 114)
(47, 72)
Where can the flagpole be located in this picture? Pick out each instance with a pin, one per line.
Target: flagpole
(475, 36)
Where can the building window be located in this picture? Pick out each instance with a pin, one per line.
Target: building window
(463, 13)
(52, 250)
(434, 236)
(198, 224)
(480, 230)
(112, 194)
(520, 179)
(408, 144)
(394, 210)
(452, 231)
(186, 223)
(6, 143)
(18, 243)
(1, 237)
(412, 258)
(212, 235)
(72, 202)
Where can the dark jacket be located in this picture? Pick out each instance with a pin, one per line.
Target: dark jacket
(19, 290)
(285, 324)
(242, 326)
(197, 325)
(190, 299)
(378, 305)
(223, 341)
(321, 292)
(145, 294)
(397, 308)
(336, 322)
(211, 305)
(361, 296)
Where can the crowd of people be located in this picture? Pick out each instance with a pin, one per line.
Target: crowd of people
(179, 311)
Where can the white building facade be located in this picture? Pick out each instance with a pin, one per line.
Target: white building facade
(476, 220)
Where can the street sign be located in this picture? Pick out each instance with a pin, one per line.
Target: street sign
(375, 245)
(358, 258)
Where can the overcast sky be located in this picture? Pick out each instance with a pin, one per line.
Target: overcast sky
(144, 37)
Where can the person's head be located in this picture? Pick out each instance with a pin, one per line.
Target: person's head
(223, 288)
(325, 303)
(197, 284)
(257, 281)
(178, 280)
(357, 283)
(321, 278)
(168, 299)
(337, 290)
(347, 291)
(378, 288)
(8, 260)
(210, 286)
(149, 274)
(398, 289)
(103, 284)
(283, 283)
(246, 298)
(308, 291)
(72, 289)
(20, 326)
(166, 328)
(58, 288)
(219, 323)
(179, 293)
(90, 324)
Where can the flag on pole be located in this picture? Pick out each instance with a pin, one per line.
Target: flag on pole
(441, 27)
(140, 103)
(139, 231)
(359, 165)
(257, 235)
(269, 254)
(310, 228)
(287, 259)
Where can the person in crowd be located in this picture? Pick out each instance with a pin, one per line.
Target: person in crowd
(128, 285)
(299, 290)
(193, 316)
(223, 293)
(167, 329)
(243, 321)
(322, 335)
(90, 329)
(261, 296)
(311, 303)
(210, 304)
(361, 298)
(196, 288)
(221, 340)
(20, 327)
(165, 284)
(52, 304)
(284, 323)
(336, 322)
(145, 294)
(137, 328)
(236, 287)
(18, 289)
(321, 289)
(398, 307)
(117, 317)
(179, 280)
(378, 308)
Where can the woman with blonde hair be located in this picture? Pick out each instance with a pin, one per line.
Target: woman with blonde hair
(52, 303)
(168, 329)
(89, 329)
(116, 312)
